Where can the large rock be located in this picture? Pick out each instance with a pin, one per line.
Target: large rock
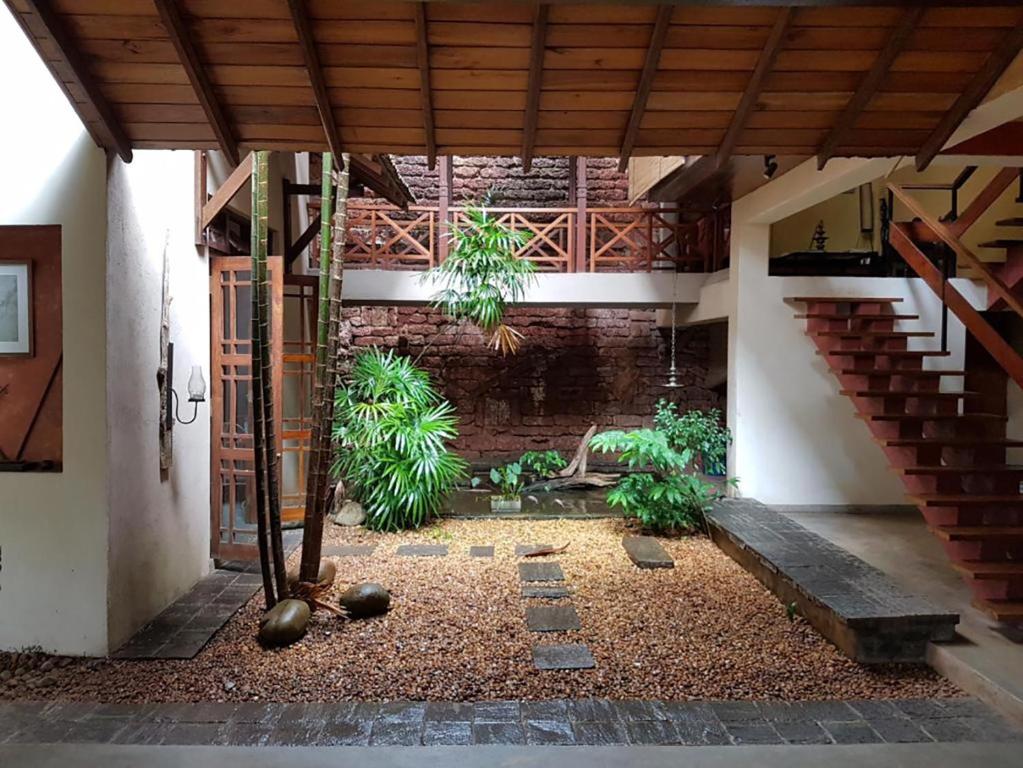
(365, 600)
(328, 572)
(284, 624)
(348, 513)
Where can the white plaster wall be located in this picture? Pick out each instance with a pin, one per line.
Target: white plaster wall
(53, 527)
(159, 525)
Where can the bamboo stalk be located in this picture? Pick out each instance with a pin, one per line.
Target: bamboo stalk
(315, 478)
(258, 246)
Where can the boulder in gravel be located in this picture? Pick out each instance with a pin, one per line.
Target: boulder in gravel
(284, 624)
(348, 513)
(328, 572)
(365, 600)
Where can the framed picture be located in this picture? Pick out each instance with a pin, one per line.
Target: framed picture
(16, 308)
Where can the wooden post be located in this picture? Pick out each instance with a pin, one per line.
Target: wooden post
(286, 213)
(580, 214)
(201, 194)
(445, 184)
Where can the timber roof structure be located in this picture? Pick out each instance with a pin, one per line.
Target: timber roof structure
(514, 78)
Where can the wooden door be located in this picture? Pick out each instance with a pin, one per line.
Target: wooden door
(233, 482)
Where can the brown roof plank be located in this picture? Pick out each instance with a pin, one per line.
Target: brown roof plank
(538, 43)
(765, 62)
(977, 89)
(646, 81)
(181, 39)
(425, 92)
(303, 28)
(897, 39)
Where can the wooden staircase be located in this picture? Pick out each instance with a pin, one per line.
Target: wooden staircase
(949, 445)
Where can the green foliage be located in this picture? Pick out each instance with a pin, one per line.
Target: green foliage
(544, 464)
(391, 428)
(508, 479)
(482, 275)
(663, 490)
(701, 432)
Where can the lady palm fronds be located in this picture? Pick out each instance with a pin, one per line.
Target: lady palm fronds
(392, 429)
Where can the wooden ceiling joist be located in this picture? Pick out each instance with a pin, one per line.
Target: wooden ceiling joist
(765, 63)
(80, 75)
(425, 89)
(538, 44)
(646, 82)
(180, 38)
(978, 87)
(870, 84)
(314, 69)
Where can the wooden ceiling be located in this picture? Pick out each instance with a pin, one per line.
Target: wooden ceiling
(478, 78)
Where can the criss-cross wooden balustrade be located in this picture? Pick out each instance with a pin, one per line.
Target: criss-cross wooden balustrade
(613, 239)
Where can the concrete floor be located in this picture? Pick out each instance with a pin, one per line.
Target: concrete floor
(853, 756)
(984, 662)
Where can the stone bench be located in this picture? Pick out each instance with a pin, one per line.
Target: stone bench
(851, 603)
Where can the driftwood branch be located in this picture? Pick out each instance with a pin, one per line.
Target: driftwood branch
(575, 474)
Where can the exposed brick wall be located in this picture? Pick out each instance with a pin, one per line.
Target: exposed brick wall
(577, 367)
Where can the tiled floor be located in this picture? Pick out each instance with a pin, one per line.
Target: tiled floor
(558, 722)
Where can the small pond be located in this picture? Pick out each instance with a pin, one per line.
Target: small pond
(575, 503)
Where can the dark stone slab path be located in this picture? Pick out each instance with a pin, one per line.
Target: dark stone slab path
(562, 722)
(851, 603)
(552, 618)
(481, 551)
(349, 550)
(571, 656)
(541, 571)
(647, 552)
(422, 550)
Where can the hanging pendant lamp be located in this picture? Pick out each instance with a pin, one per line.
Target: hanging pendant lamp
(672, 382)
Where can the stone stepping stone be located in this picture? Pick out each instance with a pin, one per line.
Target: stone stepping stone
(541, 571)
(570, 656)
(481, 551)
(647, 552)
(551, 592)
(349, 550)
(552, 618)
(422, 550)
(521, 550)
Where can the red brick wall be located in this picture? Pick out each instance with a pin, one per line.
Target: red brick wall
(577, 367)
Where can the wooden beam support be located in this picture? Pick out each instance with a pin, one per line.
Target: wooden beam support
(180, 38)
(870, 84)
(765, 63)
(646, 82)
(293, 250)
(536, 51)
(684, 180)
(1004, 179)
(311, 56)
(232, 184)
(73, 60)
(974, 93)
(425, 92)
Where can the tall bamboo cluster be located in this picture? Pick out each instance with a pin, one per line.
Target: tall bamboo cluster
(268, 501)
(333, 228)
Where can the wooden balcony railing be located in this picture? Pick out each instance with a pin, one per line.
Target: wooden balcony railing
(606, 240)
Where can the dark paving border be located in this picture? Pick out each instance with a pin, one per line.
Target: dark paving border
(582, 722)
(851, 603)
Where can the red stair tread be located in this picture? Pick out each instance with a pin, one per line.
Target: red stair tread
(1012, 221)
(990, 570)
(847, 299)
(954, 532)
(918, 393)
(854, 334)
(1006, 610)
(908, 373)
(963, 499)
(838, 316)
(885, 352)
(971, 469)
(952, 442)
(1005, 242)
(929, 417)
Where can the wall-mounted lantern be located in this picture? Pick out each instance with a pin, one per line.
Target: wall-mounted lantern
(196, 391)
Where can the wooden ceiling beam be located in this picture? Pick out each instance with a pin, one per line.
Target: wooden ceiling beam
(74, 62)
(311, 56)
(646, 82)
(870, 84)
(975, 91)
(180, 38)
(425, 91)
(765, 63)
(536, 52)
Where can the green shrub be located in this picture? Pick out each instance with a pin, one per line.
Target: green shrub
(701, 432)
(543, 464)
(391, 428)
(508, 479)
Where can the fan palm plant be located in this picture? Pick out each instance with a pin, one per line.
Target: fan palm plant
(392, 429)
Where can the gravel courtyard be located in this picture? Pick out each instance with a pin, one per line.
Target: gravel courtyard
(456, 631)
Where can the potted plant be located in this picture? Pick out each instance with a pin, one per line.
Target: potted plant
(508, 480)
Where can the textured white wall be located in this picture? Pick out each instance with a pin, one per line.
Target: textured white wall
(53, 527)
(159, 526)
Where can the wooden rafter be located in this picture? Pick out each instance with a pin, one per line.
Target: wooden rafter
(311, 56)
(977, 89)
(646, 82)
(232, 185)
(425, 92)
(74, 62)
(765, 63)
(870, 84)
(180, 38)
(536, 51)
